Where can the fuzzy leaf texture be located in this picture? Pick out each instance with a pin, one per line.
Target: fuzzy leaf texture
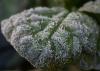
(49, 37)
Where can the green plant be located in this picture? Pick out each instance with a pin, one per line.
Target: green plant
(53, 39)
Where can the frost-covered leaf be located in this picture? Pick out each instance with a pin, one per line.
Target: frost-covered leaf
(53, 37)
(92, 7)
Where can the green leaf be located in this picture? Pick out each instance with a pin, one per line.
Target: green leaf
(53, 42)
